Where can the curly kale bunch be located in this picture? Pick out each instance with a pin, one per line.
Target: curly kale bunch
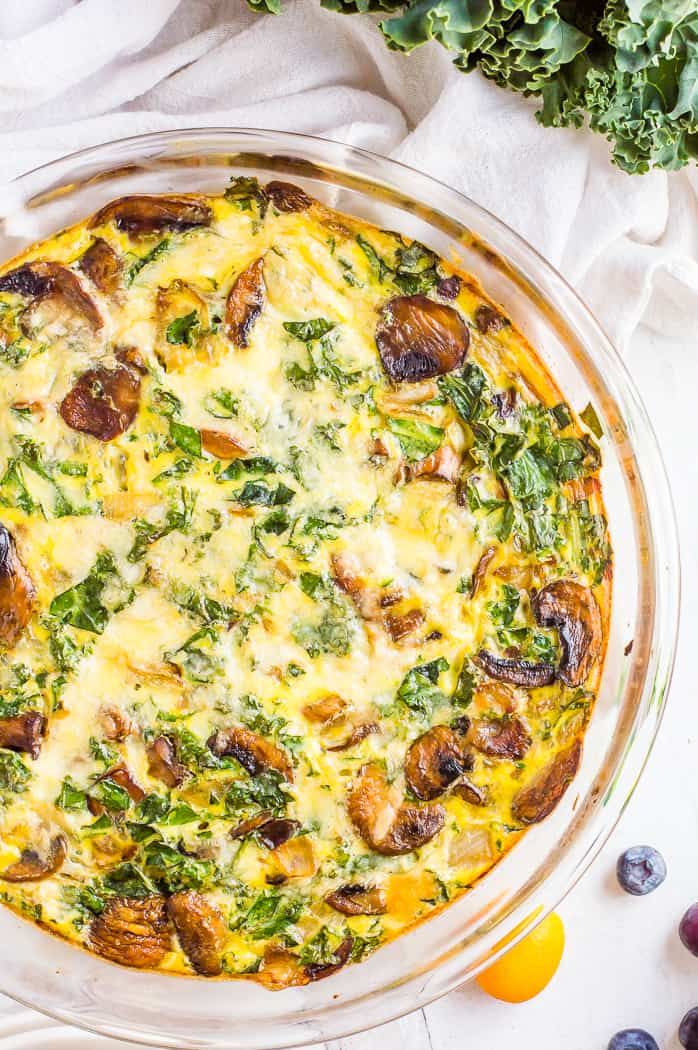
(629, 67)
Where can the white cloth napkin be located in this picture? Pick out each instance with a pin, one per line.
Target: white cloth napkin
(77, 72)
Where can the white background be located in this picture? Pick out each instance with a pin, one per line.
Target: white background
(624, 965)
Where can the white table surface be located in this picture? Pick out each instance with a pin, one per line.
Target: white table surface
(624, 965)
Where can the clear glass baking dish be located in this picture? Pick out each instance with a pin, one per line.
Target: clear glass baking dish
(168, 1011)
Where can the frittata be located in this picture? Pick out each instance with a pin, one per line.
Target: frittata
(304, 584)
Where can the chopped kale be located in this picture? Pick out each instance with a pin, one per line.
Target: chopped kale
(270, 915)
(184, 330)
(13, 773)
(185, 437)
(308, 331)
(417, 439)
(419, 690)
(81, 606)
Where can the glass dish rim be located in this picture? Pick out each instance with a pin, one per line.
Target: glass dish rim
(659, 665)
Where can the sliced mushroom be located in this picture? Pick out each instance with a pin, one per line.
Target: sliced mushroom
(387, 825)
(254, 753)
(434, 760)
(515, 672)
(32, 866)
(23, 732)
(488, 320)
(132, 358)
(140, 214)
(346, 572)
(115, 723)
(449, 287)
(470, 792)
(573, 611)
(419, 339)
(201, 930)
(17, 592)
(342, 954)
(223, 446)
(103, 266)
(246, 827)
(501, 738)
(39, 281)
(280, 969)
(325, 710)
(402, 627)
(538, 798)
(123, 779)
(296, 857)
(442, 465)
(132, 931)
(357, 734)
(103, 402)
(163, 763)
(286, 197)
(244, 303)
(355, 899)
(481, 569)
(274, 832)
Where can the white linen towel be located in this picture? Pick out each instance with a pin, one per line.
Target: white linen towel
(75, 73)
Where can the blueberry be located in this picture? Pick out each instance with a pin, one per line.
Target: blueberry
(688, 1030)
(688, 929)
(633, 1039)
(640, 870)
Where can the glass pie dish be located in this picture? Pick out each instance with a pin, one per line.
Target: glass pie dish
(435, 956)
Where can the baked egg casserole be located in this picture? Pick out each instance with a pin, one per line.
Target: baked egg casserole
(304, 584)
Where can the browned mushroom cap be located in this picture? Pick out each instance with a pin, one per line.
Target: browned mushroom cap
(115, 723)
(449, 287)
(17, 592)
(442, 465)
(346, 572)
(402, 627)
(572, 609)
(327, 709)
(23, 732)
(140, 215)
(357, 734)
(49, 280)
(355, 899)
(163, 763)
(273, 833)
(280, 969)
(515, 672)
(418, 338)
(342, 954)
(221, 445)
(434, 760)
(386, 825)
(244, 303)
(470, 792)
(246, 827)
(103, 266)
(103, 402)
(32, 866)
(539, 798)
(488, 320)
(287, 197)
(201, 930)
(253, 752)
(122, 777)
(481, 569)
(132, 931)
(501, 738)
